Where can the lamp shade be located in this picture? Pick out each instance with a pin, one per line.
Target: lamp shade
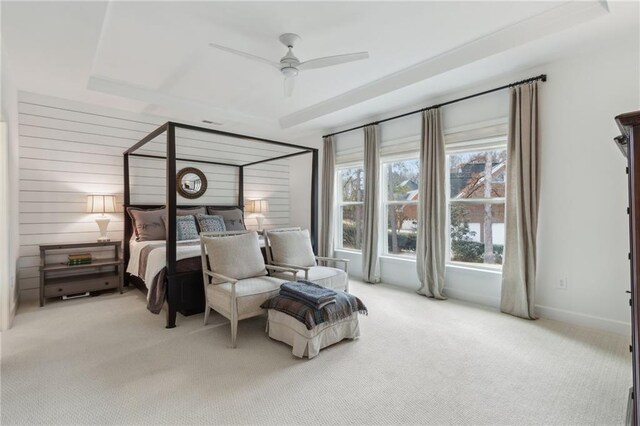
(101, 204)
(258, 206)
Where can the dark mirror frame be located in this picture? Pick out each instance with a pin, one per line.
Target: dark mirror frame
(186, 171)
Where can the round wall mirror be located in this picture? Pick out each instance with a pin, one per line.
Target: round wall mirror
(191, 182)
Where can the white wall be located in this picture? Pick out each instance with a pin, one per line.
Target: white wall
(300, 190)
(70, 149)
(583, 228)
(9, 238)
(300, 182)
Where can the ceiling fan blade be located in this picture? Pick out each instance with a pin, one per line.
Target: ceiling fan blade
(332, 60)
(246, 55)
(289, 84)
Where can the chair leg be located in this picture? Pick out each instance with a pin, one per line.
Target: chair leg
(207, 310)
(234, 318)
(234, 332)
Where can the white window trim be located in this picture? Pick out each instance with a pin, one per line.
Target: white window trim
(384, 201)
(458, 148)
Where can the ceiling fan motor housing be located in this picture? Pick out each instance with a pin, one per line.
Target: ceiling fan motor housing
(289, 72)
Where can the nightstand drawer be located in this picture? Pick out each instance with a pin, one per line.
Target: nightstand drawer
(73, 285)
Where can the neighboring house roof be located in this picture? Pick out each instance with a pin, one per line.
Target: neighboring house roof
(464, 177)
(410, 184)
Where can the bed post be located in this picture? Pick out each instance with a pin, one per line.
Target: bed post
(172, 285)
(127, 220)
(314, 200)
(241, 187)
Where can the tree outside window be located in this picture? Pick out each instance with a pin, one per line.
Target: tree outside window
(476, 197)
(401, 179)
(350, 207)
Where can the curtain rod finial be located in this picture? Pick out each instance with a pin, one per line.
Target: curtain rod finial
(543, 77)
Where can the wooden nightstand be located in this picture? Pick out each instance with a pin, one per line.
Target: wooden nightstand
(60, 279)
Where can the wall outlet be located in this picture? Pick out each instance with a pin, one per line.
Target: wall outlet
(563, 283)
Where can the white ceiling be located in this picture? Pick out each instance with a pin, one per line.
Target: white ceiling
(153, 57)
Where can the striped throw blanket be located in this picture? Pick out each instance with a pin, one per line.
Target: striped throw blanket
(345, 305)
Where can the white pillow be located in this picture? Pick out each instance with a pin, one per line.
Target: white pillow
(236, 256)
(292, 247)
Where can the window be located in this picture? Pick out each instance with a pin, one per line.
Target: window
(476, 205)
(350, 207)
(400, 200)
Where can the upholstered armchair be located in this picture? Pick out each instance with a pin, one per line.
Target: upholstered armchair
(291, 248)
(235, 276)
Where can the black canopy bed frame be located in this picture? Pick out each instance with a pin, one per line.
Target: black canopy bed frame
(185, 291)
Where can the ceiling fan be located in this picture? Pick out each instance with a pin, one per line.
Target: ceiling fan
(290, 65)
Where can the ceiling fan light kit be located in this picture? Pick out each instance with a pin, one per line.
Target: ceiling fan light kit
(290, 66)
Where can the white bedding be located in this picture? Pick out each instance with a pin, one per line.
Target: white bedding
(157, 258)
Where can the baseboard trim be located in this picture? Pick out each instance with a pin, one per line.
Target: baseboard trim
(556, 314)
(29, 294)
(14, 309)
(584, 320)
(481, 299)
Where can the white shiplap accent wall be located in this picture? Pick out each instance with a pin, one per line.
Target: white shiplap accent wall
(70, 149)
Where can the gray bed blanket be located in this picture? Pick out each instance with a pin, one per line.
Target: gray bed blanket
(157, 288)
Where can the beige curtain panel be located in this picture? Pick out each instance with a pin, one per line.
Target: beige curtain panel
(370, 244)
(327, 196)
(432, 207)
(523, 193)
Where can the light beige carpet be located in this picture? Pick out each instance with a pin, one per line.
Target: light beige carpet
(106, 360)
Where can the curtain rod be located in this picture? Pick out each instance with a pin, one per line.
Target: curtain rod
(542, 77)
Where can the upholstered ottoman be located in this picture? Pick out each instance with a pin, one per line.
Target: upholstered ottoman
(287, 329)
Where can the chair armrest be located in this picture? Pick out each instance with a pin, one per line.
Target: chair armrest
(299, 268)
(332, 259)
(281, 269)
(292, 271)
(220, 277)
(335, 259)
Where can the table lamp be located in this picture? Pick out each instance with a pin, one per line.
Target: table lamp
(102, 204)
(259, 207)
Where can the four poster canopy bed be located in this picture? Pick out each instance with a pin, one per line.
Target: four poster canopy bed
(162, 255)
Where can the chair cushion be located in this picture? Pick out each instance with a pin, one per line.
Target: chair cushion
(250, 294)
(210, 223)
(236, 256)
(292, 247)
(233, 218)
(333, 278)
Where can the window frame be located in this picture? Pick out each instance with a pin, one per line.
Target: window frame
(385, 202)
(340, 203)
(474, 145)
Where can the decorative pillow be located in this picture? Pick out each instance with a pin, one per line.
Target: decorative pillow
(186, 228)
(292, 248)
(210, 223)
(233, 219)
(236, 256)
(147, 223)
(191, 211)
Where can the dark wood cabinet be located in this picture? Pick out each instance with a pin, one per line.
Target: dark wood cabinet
(58, 278)
(629, 144)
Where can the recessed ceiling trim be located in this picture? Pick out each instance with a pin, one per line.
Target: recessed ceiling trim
(154, 97)
(552, 21)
